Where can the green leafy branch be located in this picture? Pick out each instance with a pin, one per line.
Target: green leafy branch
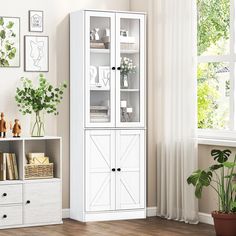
(43, 97)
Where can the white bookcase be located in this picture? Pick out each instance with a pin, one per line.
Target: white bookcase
(31, 202)
(107, 116)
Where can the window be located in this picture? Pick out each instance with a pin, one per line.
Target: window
(216, 65)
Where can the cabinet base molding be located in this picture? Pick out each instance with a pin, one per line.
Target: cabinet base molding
(113, 215)
(30, 225)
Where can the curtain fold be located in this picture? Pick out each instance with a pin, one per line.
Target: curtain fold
(174, 39)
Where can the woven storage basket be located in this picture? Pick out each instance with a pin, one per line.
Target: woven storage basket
(44, 171)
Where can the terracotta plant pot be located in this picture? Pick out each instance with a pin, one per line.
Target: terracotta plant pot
(225, 224)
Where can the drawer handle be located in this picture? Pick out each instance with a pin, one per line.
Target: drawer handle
(28, 202)
(4, 216)
(4, 194)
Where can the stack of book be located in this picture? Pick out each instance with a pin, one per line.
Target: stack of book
(8, 167)
(97, 44)
(99, 114)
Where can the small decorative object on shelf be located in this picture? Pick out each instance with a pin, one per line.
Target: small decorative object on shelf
(96, 35)
(37, 100)
(126, 112)
(3, 126)
(126, 68)
(16, 130)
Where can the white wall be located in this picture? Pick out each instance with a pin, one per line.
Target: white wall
(56, 26)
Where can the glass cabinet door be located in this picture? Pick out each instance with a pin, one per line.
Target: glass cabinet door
(130, 74)
(100, 77)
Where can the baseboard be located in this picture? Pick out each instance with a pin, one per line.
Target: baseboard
(65, 213)
(152, 211)
(205, 218)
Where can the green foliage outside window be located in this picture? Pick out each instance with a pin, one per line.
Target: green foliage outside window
(213, 39)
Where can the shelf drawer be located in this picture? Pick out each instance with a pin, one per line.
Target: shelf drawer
(10, 194)
(10, 215)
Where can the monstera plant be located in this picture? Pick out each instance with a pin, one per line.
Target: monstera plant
(221, 178)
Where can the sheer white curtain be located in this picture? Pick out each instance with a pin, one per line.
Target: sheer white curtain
(174, 71)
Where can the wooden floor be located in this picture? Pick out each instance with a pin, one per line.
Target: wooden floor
(150, 226)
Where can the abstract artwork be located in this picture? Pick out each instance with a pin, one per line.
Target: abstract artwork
(36, 21)
(9, 41)
(36, 53)
(104, 77)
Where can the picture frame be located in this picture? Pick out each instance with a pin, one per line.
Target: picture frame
(104, 76)
(36, 21)
(9, 42)
(36, 53)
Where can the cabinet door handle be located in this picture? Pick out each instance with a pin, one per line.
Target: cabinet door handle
(4, 194)
(118, 169)
(28, 202)
(4, 216)
(113, 169)
(118, 68)
(113, 68)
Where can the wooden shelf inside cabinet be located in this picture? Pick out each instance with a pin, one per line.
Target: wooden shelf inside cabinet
(99, 89)
(99, 50)
(129, 90)
(129, 51)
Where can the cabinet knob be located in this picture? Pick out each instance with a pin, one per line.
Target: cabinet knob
(113, 169)
(4, 216)
(28, 202)
(4, 194)
(118, 169)
(113, 68)
(118, 68)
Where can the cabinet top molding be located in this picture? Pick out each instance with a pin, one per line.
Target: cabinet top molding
(115, 11)
(29, 138)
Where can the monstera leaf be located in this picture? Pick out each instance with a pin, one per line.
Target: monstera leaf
(220, 156)
(216, 167)
(200, 179)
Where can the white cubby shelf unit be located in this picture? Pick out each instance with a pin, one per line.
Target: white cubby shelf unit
(31, 202)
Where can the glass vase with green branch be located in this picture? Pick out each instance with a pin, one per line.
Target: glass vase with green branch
(37, 100)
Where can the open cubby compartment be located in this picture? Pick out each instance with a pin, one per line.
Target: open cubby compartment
(14, 146)
(133, 100)
(52, 149)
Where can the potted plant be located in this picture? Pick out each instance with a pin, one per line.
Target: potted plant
(126, 68)
(221, 178)
(36, 100)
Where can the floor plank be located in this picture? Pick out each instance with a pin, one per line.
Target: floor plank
(148, 227)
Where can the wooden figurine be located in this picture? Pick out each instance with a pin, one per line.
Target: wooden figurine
(3, 126)
(16, 129)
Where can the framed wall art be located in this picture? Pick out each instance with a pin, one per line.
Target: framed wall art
(36, 53)
(9, 41)
(35, 21)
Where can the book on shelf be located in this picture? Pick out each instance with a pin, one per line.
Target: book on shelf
(9, 168)
(97, 45)
(2, 167)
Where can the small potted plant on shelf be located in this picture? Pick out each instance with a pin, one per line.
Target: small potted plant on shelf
(221, 178)
(126, 67)
(36, 100)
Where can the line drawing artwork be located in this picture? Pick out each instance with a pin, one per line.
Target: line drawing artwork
(37, 52)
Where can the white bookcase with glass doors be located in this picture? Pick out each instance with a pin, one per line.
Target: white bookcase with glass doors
(107, 50)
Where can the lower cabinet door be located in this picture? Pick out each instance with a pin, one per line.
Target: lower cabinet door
(130, 169)
(100, 170)
(42, 203)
